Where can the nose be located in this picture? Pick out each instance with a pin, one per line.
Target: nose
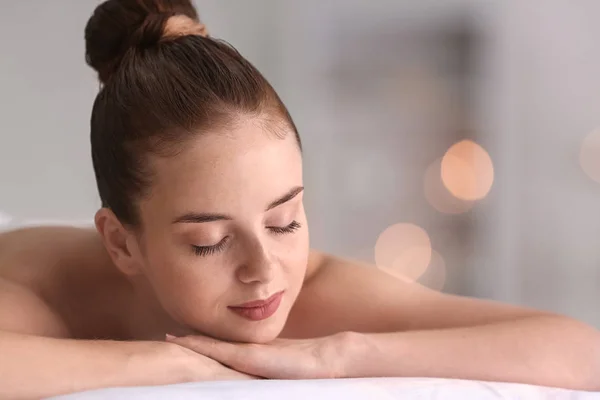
(258, 265)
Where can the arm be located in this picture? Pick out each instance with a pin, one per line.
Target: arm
(409, 330)
(33, 366)
(546, 351)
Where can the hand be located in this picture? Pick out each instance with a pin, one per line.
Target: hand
(280, 359)
(190, 366)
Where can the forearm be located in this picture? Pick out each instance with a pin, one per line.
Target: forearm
(34, 367)
(545, 350)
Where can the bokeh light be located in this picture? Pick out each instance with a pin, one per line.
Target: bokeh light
(405, 249)
(437, 194)
(413, 262)
(467, 171)
(589, 155)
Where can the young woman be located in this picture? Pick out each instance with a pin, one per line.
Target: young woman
(200, 268)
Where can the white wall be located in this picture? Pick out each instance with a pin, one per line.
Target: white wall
(542, 226)
(46, 93)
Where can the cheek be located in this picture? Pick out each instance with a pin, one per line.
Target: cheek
(185, 279)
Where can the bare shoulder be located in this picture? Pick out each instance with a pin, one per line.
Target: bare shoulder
(31, 256)
(345, 295)
(46, 275)
(23, 311)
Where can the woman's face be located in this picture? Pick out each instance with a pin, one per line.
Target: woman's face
(224, 226)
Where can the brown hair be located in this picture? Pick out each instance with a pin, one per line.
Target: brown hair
(163, 81)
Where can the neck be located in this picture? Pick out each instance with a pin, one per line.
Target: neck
(146, 318)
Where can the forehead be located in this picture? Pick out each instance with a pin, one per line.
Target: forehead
(244, 168)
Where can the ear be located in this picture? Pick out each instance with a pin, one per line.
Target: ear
(120, 243)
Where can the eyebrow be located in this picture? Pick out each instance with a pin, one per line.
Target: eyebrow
(286, 197)
(198, 218)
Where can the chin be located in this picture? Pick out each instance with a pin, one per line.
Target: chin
(262, 335)
(257, 332)
(252, 331)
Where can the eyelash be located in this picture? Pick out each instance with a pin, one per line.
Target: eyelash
(204, 251)
(291, 228)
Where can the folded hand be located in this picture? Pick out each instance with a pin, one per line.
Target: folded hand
(279, 359)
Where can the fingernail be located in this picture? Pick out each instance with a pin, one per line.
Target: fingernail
(170, 337)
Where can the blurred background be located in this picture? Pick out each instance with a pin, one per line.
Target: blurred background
(456, 142)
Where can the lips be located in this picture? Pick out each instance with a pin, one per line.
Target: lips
(259, 309)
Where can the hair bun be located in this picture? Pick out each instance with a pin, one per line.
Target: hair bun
(150, 31)
(118, 25)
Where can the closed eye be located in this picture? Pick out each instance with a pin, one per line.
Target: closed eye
(204, 251)
(280, 230)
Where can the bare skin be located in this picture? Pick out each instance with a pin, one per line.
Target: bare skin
(66, 274)
(68, 271)
(224, 224)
